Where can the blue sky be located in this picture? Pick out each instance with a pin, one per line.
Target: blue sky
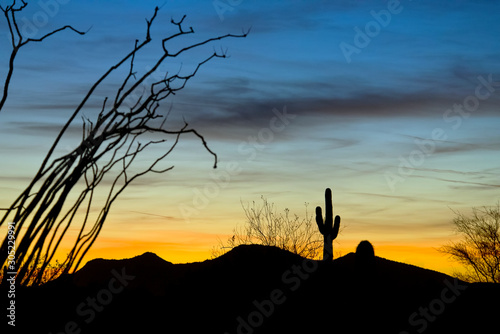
(380, 126)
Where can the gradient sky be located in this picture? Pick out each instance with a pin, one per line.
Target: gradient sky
(395, 106)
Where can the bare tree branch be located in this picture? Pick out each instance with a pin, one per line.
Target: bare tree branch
(18, 41)
(265, 226)
(479, 251)
(65, 188)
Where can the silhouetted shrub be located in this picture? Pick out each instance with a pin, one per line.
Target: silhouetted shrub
(265, 226)
(365, 254)
(479, 248)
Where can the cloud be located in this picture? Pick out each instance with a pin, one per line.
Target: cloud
(221, 112)
(478, 185)
(480, 173)
(406, 199)
(448, 146)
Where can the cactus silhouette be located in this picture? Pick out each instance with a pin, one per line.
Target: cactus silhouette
(365, 254)
(328, 228)
(365, 261)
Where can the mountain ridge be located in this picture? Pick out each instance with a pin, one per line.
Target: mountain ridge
(258, 289)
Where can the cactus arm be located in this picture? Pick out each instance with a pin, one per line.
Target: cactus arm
(336, 227)
(319, 220)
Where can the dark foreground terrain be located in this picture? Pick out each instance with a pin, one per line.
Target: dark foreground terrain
(257, 289)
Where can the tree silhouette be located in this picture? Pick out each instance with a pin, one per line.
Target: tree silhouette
(18, 41)
(265, 226)
(479, 251)
(64, 189)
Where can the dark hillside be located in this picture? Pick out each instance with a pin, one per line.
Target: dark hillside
(256, 289)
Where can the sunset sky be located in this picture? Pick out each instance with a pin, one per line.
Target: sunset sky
(393, 105)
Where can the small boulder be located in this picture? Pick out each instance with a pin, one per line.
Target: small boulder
(365, 255)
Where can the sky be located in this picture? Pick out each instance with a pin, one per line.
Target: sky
(393, 105)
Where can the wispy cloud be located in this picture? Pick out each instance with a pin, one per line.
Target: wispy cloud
(476, 184)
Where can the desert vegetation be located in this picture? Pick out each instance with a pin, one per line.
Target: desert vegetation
(478, 250)
(265, 225)
(78, 188)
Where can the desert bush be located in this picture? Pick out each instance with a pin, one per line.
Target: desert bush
(479, 249)
(264, 225)
(50, 272)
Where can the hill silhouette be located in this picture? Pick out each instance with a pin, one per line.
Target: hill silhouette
(256, 289)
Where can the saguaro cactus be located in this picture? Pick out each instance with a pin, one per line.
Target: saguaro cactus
(329, 229)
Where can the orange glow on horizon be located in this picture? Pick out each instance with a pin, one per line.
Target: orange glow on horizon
(179, 246)
(195, 243)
